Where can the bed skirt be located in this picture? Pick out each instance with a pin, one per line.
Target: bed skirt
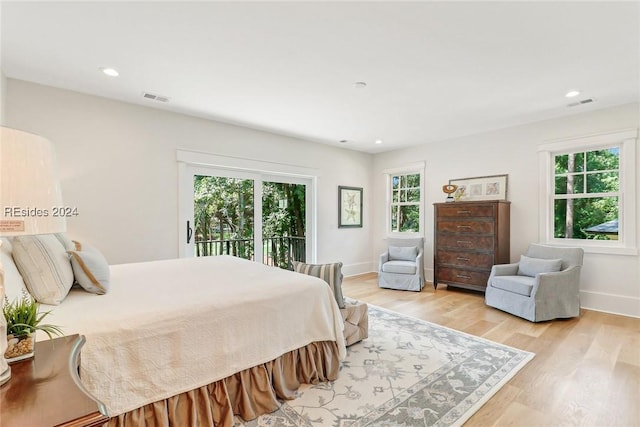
(247, 394)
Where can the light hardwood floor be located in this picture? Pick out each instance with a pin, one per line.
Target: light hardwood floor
(586, 371)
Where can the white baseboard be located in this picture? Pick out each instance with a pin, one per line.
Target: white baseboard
(359, 268)
(610, 303)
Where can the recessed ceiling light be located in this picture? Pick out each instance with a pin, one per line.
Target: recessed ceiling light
(359, 85)
(572, 93)
(111, 72)
(378, 141)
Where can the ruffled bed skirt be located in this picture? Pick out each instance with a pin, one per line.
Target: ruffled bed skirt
(248, 394)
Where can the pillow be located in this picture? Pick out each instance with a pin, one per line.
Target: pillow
(90, 269)
(403, 253)
(65, 241)
(330, 273)
(45, 267)
(533, 266)
(14, 287)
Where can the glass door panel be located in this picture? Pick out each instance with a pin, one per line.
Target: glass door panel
(283, 223)
(223, 216)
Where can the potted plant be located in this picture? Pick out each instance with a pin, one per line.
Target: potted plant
(23, 320)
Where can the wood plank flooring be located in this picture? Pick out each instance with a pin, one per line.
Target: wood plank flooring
(586, 371)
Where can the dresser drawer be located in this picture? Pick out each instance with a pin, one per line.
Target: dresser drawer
(479, 243)
(466, 226)
(465, 259)
(464, 277)
(461, 211)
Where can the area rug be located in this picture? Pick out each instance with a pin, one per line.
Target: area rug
(407, 373)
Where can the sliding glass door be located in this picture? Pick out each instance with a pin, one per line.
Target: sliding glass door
(246, 214)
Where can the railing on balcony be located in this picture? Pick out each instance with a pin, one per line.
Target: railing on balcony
(277, 251)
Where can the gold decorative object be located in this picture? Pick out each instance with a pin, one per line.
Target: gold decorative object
(449, 189)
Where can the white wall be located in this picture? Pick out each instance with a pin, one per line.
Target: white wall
(118, 166)
(609, 282)
(3, 91)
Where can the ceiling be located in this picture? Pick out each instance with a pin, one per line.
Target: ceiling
(433, 70)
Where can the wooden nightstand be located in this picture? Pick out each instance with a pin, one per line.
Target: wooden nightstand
(45, 391)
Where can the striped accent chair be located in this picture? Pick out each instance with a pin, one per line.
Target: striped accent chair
(355, 314)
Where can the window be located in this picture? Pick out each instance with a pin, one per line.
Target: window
(404, 200)
(588, 192)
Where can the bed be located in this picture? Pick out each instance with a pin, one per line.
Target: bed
(196, 342)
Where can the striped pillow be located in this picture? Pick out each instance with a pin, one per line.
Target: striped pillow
(44, 265)
(330, 273)
(90, 269)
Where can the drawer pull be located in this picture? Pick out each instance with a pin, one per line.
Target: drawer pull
(462, 259)
(462, 276)
(464, 212)
(464, 226)
(464, 242)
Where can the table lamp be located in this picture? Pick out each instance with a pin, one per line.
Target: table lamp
(29, 190)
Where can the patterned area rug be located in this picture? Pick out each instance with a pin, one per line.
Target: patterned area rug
(407, 373)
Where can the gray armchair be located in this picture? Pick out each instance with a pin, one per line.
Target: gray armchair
(402, 266)
(544, 285)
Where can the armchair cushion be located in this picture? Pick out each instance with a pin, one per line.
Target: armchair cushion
(330, 273)
(403, 253)
(533, 266)
(522, 285)
(400, 267)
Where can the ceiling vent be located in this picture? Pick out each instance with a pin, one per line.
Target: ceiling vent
(153, 97)
(584, 101)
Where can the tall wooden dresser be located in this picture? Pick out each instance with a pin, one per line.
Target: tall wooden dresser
(470, 237)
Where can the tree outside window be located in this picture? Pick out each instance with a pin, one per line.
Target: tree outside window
(586, 197)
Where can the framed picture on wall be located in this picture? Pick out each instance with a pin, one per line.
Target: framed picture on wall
(349, 207)
(493, 187)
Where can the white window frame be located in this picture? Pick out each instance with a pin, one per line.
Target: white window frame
(414, 168)
(627, 237)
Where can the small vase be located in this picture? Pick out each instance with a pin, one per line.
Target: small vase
(19, 348)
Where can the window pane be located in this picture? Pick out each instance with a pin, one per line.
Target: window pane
(403, 181)
(590, 218)
(413, 195)
(570, 184)
(603, 159)
(394, 218)
(396, 196)
(395, 181)
(573, 162)
(413, 180)
(603, 182)
(409, 219)
(561, 163)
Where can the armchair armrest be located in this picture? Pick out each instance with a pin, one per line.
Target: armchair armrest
(504, 270)
(556, 284)
(383, 258)
(420, 264)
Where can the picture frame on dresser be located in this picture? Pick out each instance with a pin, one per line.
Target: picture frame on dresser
(490, 187)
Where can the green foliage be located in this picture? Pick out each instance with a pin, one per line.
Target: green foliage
(23, 317)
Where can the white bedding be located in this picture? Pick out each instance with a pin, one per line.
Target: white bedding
(170, 326)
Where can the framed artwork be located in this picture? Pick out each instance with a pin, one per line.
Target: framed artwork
(349, 207)
(493, 187)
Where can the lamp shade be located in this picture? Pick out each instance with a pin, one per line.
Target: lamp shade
(30, 200)
(30, 194)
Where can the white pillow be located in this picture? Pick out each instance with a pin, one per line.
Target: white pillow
(403, 253)
(90, 269)
(533, 266)
(14, 287)
(45, 267)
